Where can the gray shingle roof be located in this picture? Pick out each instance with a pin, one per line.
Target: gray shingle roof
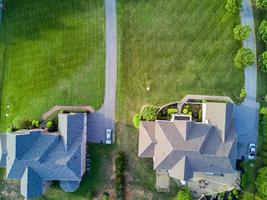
(182, 147)
(35, 156)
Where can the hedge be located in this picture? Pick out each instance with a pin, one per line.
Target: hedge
(119, 175)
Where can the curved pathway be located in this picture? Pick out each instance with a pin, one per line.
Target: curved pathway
(246, 114)
(99, 121)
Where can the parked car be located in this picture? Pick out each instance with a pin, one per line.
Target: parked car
(108, 136)
(251, 151)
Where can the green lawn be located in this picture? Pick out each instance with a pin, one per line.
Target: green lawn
(175, 47)
(51, 53)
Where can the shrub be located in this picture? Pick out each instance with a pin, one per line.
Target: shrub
(243, 93)
(233, 6)
(261, 182)
(149, 113)
(243, 58)
(172, 111)
(241, 32)
(190, 113)
(35, 123)
(263, 61)
(235, 193)
(222, 195)
(12, 128)
(52, 124)
(262, 4)
(136, 120)
(262, 31)
(183, 195)
(263, 111)
(119, 175)
(185, 111)
(105, 197)
(49, 124)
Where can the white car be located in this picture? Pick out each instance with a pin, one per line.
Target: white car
(108, 136)
(251, 151)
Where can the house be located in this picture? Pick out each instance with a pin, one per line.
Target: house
(182, 145)
(36, 158)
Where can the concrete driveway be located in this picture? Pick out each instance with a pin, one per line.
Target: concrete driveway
(246, 114)
(99, 121)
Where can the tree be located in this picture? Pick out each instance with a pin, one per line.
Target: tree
(262, 31)
(262, 4)
(261, 182)
(184, 195)
(243, 58)
(232, 6)
(263, 62)
(136, 120)
(149, 113)
(241, 32)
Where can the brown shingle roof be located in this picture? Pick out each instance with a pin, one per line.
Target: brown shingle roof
(183, 147)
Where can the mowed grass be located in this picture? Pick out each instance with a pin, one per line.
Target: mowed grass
(52, 53)
(175, 47)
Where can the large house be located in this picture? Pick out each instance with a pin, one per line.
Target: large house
(182, 145)
(36, 157)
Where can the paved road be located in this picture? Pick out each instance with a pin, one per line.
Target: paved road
(246, 115)
(105, 117)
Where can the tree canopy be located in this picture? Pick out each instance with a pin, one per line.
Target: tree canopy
(241, 32)
(244, 58)
(232, 6)
(261, 182)
(262, 31)
(184, 195)
(263, 61)
(262, 4)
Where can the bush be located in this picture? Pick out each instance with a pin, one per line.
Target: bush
(35, 123)
(262, 31)
(136, 120)
(235, 193)
(52, 125)
(185, 111)
(241, 32)
(172, 111)
(263, 111)
(243, 93)
(49, 124)
(263, 62)
(262, 4)
(119, 175)
(243, 58)
(184, 195)
(261, 182)
(233, 6)
(149, 113)
(243, 181)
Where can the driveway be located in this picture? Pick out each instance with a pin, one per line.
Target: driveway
(99, 121)
(246, 114)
